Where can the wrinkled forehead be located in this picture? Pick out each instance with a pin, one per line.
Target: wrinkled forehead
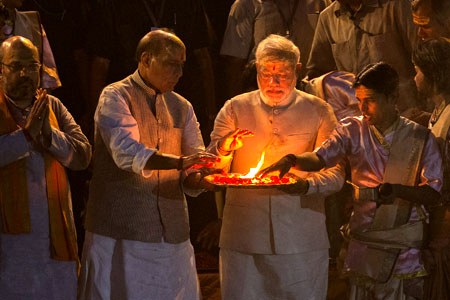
(268, 65)
(363, 92)
(20, 53)
(172, 52)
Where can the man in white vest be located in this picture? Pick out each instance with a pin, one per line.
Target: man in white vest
(274, 244)
(137, 229)
(396, 170)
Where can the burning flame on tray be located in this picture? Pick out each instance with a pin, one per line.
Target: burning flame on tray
(253, 171)
(249, 179)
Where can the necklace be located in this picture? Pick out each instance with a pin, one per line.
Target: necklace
(437, 112)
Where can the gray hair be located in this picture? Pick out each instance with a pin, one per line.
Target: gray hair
(276, 47)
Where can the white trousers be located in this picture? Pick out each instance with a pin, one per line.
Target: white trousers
(302, 276)
(133, 270)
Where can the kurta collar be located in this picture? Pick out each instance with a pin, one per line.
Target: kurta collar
(14, 102)
(13, 106)
(380, 136)
(138, 79)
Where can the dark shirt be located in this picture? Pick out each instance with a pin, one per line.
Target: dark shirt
(119, 25)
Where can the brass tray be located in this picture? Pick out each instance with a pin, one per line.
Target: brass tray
(225, 180)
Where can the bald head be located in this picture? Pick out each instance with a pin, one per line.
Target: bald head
(158, 42)
(19, 44)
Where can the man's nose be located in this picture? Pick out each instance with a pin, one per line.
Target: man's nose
(363, 106)
(275, 78)
(179, 71)
(23, 72)
(421, 33)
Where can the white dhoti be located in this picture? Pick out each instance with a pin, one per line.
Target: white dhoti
(134, 270)
(302, 276)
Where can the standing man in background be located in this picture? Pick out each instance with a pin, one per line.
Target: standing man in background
(353, 33)
(432, 18)
(432, 61)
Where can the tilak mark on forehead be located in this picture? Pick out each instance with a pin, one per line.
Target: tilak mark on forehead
(420, 20)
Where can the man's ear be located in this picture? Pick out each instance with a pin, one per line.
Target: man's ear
(393, 98)
(146, 58)
(298, 68)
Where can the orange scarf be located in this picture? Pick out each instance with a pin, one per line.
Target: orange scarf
(15, 210)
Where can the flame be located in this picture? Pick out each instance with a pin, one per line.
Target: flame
(253, 171)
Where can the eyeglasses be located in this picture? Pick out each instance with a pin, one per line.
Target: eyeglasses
(275, 76)
(30, 68)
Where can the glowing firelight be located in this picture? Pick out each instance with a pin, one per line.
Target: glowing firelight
(253, 171)
(249, 180)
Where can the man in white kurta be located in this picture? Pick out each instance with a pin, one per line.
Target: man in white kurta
(274, 243)
(37, 137)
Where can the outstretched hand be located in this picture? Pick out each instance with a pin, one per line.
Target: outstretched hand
(233, 140)
(283, 165)
(196, 179)
(199, 160)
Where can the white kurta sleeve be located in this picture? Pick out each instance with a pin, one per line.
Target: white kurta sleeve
(120, 133)
(192, 141)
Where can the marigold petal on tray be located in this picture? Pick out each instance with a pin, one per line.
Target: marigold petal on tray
(236, 180)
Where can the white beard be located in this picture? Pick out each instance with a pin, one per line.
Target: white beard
(286, 99)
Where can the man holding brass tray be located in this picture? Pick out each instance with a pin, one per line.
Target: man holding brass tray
(273, 242)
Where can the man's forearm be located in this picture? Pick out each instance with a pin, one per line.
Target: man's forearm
(424, 195)
(327, 181)
(160, 161)
(309, 161)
